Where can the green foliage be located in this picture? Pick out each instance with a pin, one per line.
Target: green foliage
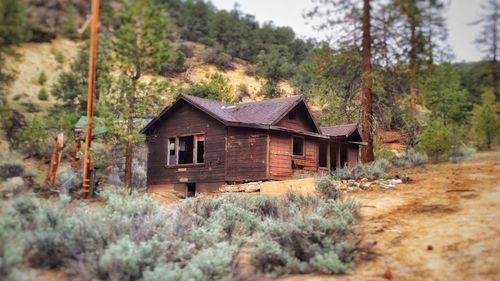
(43, 95)
(221, 60)
(329, 263)
(327, 188)
(146, 49)
(444, 96)
(410, 158)
(273, 66)
(71, 87)
(10, 167)
(332, 79)
(434, 139)
(11, 186)
(70, 23)
(42, 78)
(372, 171)
(485, 121)
(216, 88)
(239, 34)
(33, 138)
(132, 238)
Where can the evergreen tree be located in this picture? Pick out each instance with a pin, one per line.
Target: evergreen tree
(434, 139)
(485, 120)
(444, 96)
(72, 86)
(141, 46)
(274, 67)
(352, 22)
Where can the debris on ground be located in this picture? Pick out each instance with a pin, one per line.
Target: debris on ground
(243, 187)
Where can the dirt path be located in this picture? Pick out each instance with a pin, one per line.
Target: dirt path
(443, 226)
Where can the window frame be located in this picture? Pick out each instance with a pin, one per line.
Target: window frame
(303, 147)
(195, 150)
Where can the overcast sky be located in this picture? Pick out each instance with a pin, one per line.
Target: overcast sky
(289, 13)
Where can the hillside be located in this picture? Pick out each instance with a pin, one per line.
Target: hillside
(56, 56)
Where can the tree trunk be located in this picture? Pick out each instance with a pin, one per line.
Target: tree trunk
(367, 151)
(129, 152)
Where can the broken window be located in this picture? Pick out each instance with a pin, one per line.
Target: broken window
(200, 149)
(171, 152)
(323, 154)
(186, 150)
(298, 146)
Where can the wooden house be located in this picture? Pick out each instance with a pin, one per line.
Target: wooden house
(197, 145)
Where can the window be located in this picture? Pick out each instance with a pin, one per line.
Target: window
(186, 150)
(323, 154)
(200, 149)
(298, 146)
(171, 159)
(292, 115)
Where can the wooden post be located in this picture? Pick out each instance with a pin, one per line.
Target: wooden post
(56, 158)
(90, 97)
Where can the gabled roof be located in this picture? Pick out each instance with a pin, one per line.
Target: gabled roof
(258, 114)
(343, 131)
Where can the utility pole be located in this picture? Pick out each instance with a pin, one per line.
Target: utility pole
(90, 98)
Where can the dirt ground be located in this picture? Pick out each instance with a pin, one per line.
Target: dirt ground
(443, 226)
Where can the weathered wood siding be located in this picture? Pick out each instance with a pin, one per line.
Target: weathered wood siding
(352, 154)
(302, 121)
(184, 119)
(280, 163)
(246, 154)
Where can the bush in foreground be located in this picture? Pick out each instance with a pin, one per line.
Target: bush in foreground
(131, 238)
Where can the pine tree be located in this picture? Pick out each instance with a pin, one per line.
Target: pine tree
(141, 47)
(485, 120)
(353, 24)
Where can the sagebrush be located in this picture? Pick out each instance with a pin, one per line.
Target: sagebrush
(133, 238)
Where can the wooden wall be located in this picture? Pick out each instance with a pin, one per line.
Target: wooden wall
(302, 122)
(184, 119)
(246, 154)
(280, 162)
(352, 154)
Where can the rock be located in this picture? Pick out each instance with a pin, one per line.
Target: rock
(365, 185)
(430, 248)
(364, 180)
(388, 273)
(404, 178)
(252, 188)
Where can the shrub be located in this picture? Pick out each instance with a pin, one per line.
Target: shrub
(126, 260)
(371, 171)
(11, 248)
(43, 95)
(329, 263)
(42, 78)
(327, 188)
(12, 186)
(131, 238)
(411, 158)
(33, 139)
(11, 168)
(218, 58)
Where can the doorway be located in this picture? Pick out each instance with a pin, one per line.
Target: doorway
(190, 189)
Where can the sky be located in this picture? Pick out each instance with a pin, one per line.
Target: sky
(289, 13)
